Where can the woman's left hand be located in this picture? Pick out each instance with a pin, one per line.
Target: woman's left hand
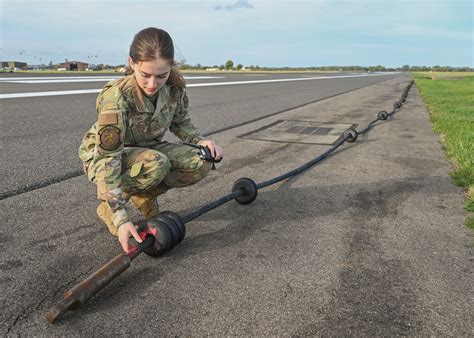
(216, 151)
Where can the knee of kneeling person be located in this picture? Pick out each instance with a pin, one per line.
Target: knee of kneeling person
(205, 168)
(199, 168)
(202, 170)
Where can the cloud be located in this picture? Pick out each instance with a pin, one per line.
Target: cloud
(236, 5)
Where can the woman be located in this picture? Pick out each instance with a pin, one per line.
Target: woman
(123, 153)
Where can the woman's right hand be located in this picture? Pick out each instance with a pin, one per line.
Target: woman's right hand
(124, 232)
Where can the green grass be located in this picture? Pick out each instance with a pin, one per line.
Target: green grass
(443, 75)
(450, 100)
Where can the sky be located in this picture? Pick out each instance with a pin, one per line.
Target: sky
(272, 33)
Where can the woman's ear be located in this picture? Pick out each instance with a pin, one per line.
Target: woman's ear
(131, 63)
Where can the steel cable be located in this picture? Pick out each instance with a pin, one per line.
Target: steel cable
(344, 137)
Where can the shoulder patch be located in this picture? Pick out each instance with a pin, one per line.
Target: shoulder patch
(108, 118)
(109, 138)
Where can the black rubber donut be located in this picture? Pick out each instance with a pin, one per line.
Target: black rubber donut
(178, 222)
(250, 188)
(163, 241)
(382, 115)
(172, 227)
(352, 135)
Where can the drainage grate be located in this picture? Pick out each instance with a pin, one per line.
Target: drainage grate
(299, 131)
(309, 130)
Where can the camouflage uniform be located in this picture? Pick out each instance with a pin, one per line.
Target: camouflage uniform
(123, 153)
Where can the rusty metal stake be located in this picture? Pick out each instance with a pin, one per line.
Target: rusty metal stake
(78, 295)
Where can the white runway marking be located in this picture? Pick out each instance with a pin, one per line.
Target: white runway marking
(280, 80)
(211, 84)
(61, 81)
(74, 79)
(12, 79)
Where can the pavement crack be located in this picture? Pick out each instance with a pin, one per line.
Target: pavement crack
(288, 290)
(25, 314)
(39, 185)
(35, 306)
(67, 284)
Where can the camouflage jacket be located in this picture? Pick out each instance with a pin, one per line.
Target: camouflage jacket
(126, 118)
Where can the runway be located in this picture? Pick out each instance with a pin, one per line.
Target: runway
(41, 134)
(90, 79)
(370, 242)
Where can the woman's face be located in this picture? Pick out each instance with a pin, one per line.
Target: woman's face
(151, 75)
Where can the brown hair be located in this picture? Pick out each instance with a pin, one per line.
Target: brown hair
(151, 43)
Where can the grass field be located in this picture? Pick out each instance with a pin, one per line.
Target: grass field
(450, 99)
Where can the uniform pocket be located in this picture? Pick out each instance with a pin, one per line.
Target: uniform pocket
(135, 169)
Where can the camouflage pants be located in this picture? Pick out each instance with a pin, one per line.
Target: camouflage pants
(161, 167)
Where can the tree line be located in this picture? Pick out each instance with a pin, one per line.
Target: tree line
(229, 65)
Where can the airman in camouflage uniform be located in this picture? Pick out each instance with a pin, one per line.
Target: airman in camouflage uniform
(123, 153)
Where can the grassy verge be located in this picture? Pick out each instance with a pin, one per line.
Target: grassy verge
(450, 100)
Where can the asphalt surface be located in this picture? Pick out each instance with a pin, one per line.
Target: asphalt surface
(369, 242)
(40, 135)
(18, 83)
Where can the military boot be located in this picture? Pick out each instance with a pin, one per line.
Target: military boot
(145, 203)
(105, 214)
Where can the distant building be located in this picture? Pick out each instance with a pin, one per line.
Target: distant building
(73, 65)
(13, 65)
